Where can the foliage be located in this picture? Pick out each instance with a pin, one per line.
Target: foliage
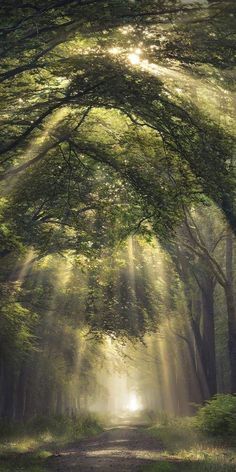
(16, 326)
(117, 119)
(187, 450)
(27, 446)
(56, 426)
(63, 77)
(218, 416)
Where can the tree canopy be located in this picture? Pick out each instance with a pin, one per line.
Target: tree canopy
(117, 129)
(68, 68)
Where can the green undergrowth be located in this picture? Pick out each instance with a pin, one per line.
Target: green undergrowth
(27, 447)
(218, 416)
(185, 448)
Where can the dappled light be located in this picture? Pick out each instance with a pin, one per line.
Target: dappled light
(117, 236)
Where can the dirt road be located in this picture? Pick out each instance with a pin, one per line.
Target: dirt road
(120, 449)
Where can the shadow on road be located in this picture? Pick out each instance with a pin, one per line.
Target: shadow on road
(123, 448)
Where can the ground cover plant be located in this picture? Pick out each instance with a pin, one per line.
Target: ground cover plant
(205, 442)
(28, 447)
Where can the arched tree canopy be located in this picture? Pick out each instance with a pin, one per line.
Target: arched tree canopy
(95, 89)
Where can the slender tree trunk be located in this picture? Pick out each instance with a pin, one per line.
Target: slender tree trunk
(2, 386)
(194, 308)
(9, 389)
(231, 335)
(209, 333)
(196, 349)
(230, 301)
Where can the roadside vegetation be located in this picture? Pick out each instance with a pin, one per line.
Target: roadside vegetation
(118, 229)
(203, 443)
(27, 447)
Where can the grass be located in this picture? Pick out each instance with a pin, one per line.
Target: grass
(185, 449)
(32, 444)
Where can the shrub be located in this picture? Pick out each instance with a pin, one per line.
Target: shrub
(72, 427)
(149, 416)
(218, 416)
(84, 425)
(57, 426)
(8, 428)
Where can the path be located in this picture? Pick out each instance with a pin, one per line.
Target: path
(120, 449)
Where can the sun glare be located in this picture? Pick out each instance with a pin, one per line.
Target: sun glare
(134, 58)
(115, 51)
(133, 404)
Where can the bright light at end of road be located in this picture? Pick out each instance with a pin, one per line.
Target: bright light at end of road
(133, 404)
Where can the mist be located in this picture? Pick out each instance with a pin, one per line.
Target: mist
(117, 236)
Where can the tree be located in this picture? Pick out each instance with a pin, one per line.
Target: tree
(113, 83)
(195, 241)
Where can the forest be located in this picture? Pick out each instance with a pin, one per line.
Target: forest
(118, 235)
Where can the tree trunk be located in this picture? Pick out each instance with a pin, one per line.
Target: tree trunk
(231, 335)
(230, 301)
(199, 361)
(9, 390)
(194, 307)
(209, 333)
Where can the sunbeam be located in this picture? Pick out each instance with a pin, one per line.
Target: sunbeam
(117, 235)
